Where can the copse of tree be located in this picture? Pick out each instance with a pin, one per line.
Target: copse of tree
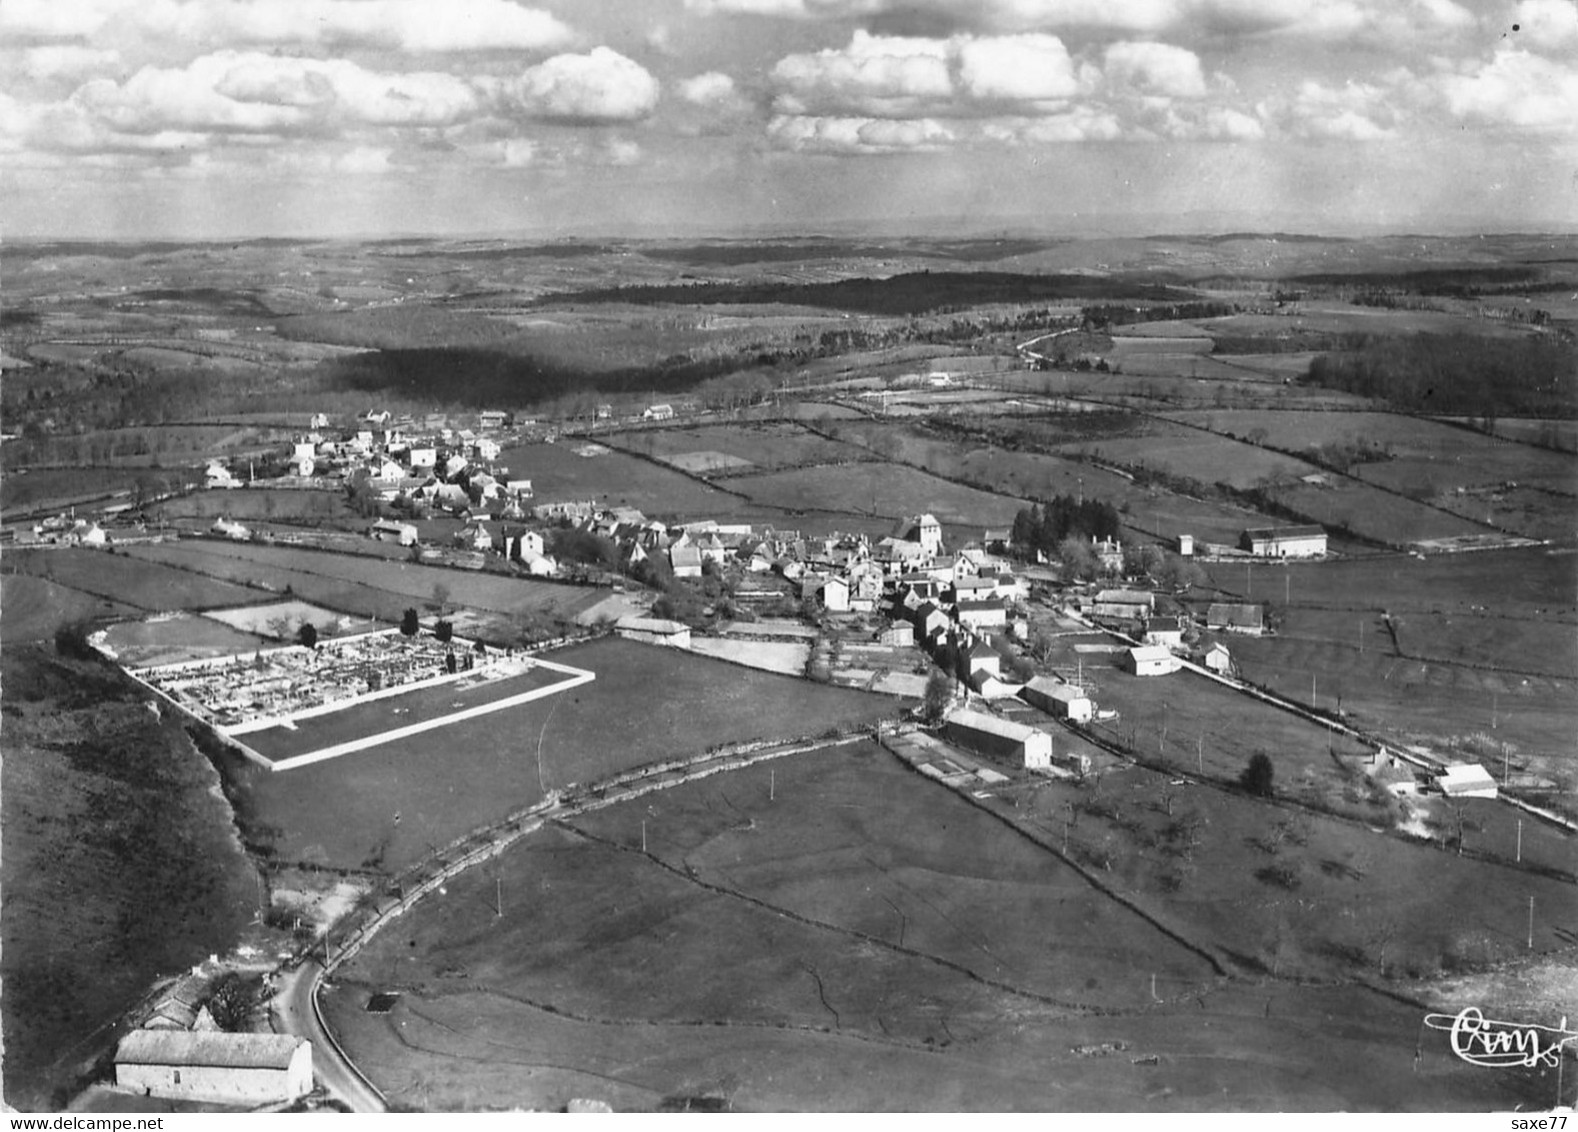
(1044, 526)
(572, 545)
(409, 623)
(308, 635)
(233, 999)
(1461, 374)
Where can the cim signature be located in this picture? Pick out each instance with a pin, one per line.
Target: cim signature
(1484, 1041)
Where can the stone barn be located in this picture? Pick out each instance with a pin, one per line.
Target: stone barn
(249, 1069)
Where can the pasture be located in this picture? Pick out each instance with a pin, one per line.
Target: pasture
(279, 566)
(937, 961)
(32, 608)
(776, 444)
(130, 578)
(877, 489)
(391, 805)
(1372, 513)
(281, 619)
(183, 636)
(615, 479)
(275, 505)
(1195, 455)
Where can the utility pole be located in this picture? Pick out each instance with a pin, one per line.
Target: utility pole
(1199, 754)
(1520, 841)
(643, 835)
(772, 784)
(1531, 923)
(498, 896)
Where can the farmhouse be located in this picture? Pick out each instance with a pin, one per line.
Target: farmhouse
(1128, 604)
(1165, 631)
(1390, 774)
(1151, 660)
(982, 657)
(999, 737)
(990, 614)
(898, 634)
(1284, 542)
(686, 561)
(1063, 701)
(387, 530)
(654, 630)
(658, 413)
(1466, 780)
(1227, 617)
(214, 1066)
(230, 529)
(1217, 659)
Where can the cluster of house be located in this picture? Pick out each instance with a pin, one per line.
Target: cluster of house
(1166, 638)
(424, 462)
(1452, 780)
(62, 530)
(239, 694)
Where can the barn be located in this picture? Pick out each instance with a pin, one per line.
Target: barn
(214, 1066)
(1063, 701)
(654, 630)
(1003, 738)
(1284, 542)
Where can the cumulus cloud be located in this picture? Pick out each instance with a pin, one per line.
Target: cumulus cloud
(1021, 68)
(601, 86)
(878, 76)
(1516, 89)
(1159, 69)
(405, 25)
(251, 92)
(713, 88)
(1547, 26)
(875, 76)
(856, 136)
(1354, 111)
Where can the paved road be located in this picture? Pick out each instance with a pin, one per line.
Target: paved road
(294, 1013)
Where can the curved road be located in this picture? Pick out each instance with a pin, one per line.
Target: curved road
(296, 1012)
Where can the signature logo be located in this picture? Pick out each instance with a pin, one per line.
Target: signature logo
(1485, 1041)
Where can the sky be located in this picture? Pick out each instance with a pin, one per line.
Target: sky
(219, 119)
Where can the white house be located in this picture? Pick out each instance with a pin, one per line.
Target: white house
(424, 459)
(218, 475)
(1217, 659)
(658, 413)
(230, 529)
(212, 1065)
(990, 614)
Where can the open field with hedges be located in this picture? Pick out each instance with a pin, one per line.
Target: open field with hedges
(32, 608)
(764, 446)
(864, 941)
(887, 490)
(615, 479)
(389, 805)
(134, 579)
(279, 566)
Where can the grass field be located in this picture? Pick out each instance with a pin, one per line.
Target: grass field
(282, 619)
(1195, 455)
(132, 577)
(765, 446)
(23, 490)
(615, 479)
(327, 508)
(937, 962)
(888, 490)
(177, 638)
(393, 803)
(32, 608)
(1372, 513)
(279, 566)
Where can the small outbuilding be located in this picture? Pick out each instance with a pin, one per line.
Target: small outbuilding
(248, 1069)
(654, 630)
(1229, 617)
(1060, 700)
(1466, 780)
(1151, 660)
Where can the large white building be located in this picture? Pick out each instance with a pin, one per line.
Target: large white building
(213, 1065)
(1284, 542)
(1063, 701)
